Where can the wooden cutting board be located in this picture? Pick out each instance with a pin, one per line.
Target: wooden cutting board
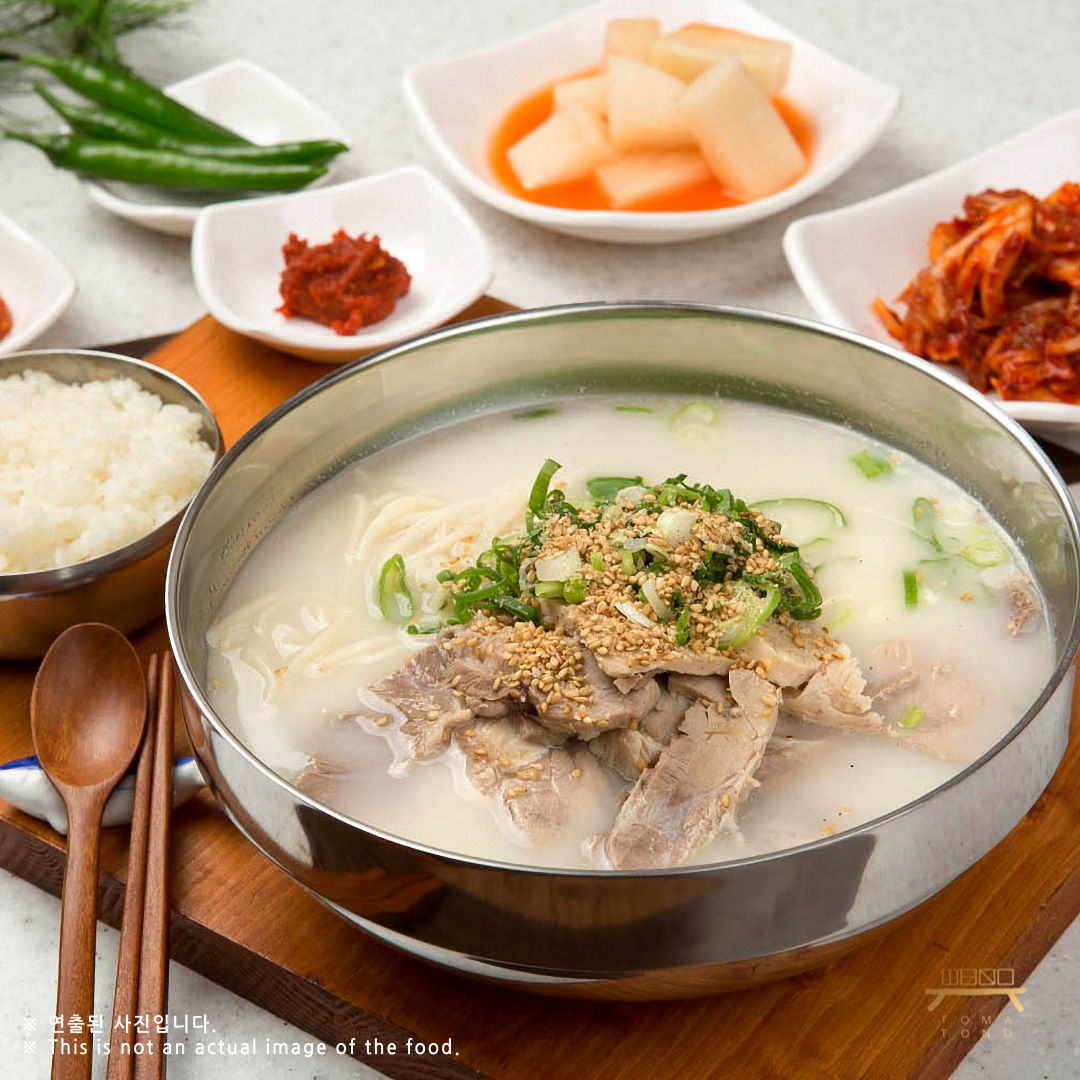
(240, 921)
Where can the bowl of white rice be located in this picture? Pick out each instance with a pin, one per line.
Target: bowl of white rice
(99, 456)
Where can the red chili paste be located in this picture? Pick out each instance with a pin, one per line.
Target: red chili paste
(346, 284)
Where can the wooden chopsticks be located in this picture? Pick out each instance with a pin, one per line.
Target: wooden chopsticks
(142, 971)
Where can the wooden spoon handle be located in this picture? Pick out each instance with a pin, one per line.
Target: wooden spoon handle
(121, 1061)
(73, 1053)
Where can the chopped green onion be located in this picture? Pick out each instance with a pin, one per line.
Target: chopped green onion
(518, 608)
(538, 496)
(871, 466)
(656, 601)
(632, 408)
(533, 414)
(739, 629)
(803, 521)
(911, 588)
(596, 561)
(603, 489)
(574, 590)
(682, 627)
(831, 509)
(627, 564)
(694, 421)
(395, 600)
(549, 590)
(913, 716)
(923, 517)
(983, 548)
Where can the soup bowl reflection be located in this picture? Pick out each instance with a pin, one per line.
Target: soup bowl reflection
(645, 934)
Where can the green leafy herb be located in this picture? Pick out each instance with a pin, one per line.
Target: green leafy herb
(871, 467)
(604, 489)
(87, 28)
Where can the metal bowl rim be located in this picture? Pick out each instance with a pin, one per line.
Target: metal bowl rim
(563, 312)
(34, 583)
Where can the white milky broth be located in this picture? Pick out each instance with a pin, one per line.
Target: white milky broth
(300, 635)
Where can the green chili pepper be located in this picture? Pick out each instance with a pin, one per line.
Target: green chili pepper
(95, 122)
(119, 90)
(138, 165)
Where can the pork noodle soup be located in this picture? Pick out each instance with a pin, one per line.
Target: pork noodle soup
(628, 634)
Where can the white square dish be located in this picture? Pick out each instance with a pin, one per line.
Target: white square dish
(237, 262)
(458, 103)
(843, 259)
(34, 283)
(243, 96)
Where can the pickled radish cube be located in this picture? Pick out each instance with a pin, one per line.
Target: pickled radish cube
(568, 145)
(630, 37)
(591, 91)
(649, 174)
(744, 139)
(643, 106)
(687, 52)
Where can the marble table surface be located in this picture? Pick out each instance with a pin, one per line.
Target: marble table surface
(972, 74)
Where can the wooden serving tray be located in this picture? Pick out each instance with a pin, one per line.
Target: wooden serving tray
(240, 921)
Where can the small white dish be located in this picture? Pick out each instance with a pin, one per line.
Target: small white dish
(36, 286)
(251, 101)
(458, 104)
(237, 262)
(843, 259)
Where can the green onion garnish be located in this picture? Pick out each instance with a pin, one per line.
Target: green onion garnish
(632, 408)
(596, 561)
(911, 588)
(538, 497)
(983, 548)
(627, 564)
(913, 716)
(574, 589)
(533, 414)
(604, 489)
(549, 590)
(871, 466)
(682, 627)
(922, 516)
(395, 600)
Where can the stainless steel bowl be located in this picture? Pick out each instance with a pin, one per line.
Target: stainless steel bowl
(656, 933)
(125, 587)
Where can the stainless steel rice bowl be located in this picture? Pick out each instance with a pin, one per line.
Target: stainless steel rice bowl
(122, 587)
(649, 934)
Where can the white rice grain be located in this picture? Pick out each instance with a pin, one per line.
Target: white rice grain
(86, 469)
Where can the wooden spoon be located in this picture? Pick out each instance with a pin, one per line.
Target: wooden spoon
(87, 716)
